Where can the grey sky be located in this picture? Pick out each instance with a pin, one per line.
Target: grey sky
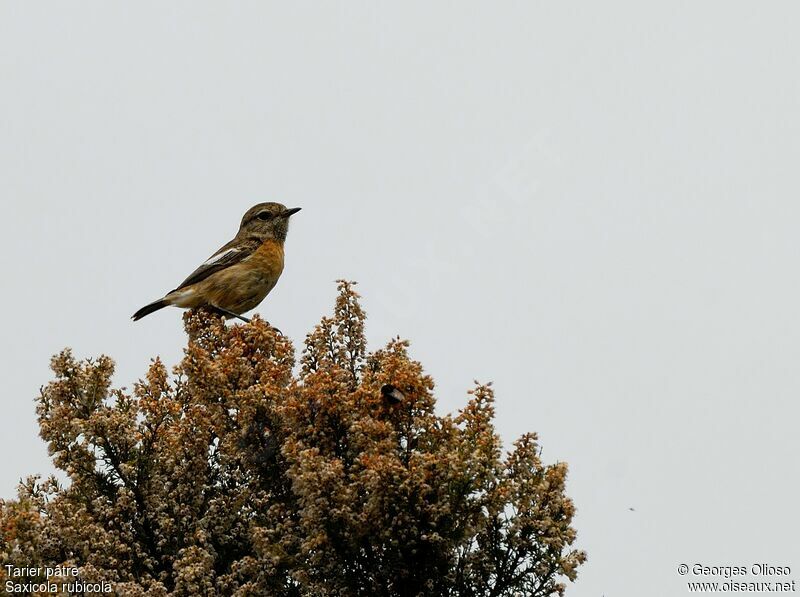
(594, 206)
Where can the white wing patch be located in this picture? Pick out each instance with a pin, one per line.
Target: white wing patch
(218, 256)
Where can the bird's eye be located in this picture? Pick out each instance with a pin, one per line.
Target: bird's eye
(264, 215)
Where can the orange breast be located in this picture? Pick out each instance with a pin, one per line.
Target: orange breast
(269, 258)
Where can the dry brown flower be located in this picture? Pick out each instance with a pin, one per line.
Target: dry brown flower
(236, 476)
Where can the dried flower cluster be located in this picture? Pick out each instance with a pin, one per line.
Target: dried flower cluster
(237, 477)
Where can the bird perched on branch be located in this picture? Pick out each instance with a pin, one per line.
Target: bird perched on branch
(241, 273)
(392, 394)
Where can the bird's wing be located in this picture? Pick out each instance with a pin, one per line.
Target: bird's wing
(233, 252)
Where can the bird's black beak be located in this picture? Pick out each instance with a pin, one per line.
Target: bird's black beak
(290, 211)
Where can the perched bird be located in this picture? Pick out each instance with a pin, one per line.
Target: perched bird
(241, 273)
(392, 394)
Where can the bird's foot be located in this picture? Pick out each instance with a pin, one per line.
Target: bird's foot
(227, 313)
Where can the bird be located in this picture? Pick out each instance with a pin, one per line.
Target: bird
(392, 394)
(238, 276)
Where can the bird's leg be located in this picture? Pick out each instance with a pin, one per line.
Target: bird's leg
(230, 314)
(245, 319)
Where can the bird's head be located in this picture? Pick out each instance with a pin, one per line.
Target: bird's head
(267, 220)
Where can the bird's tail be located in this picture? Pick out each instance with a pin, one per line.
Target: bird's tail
(147, 309)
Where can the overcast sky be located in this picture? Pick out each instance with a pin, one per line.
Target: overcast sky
(595, 206)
